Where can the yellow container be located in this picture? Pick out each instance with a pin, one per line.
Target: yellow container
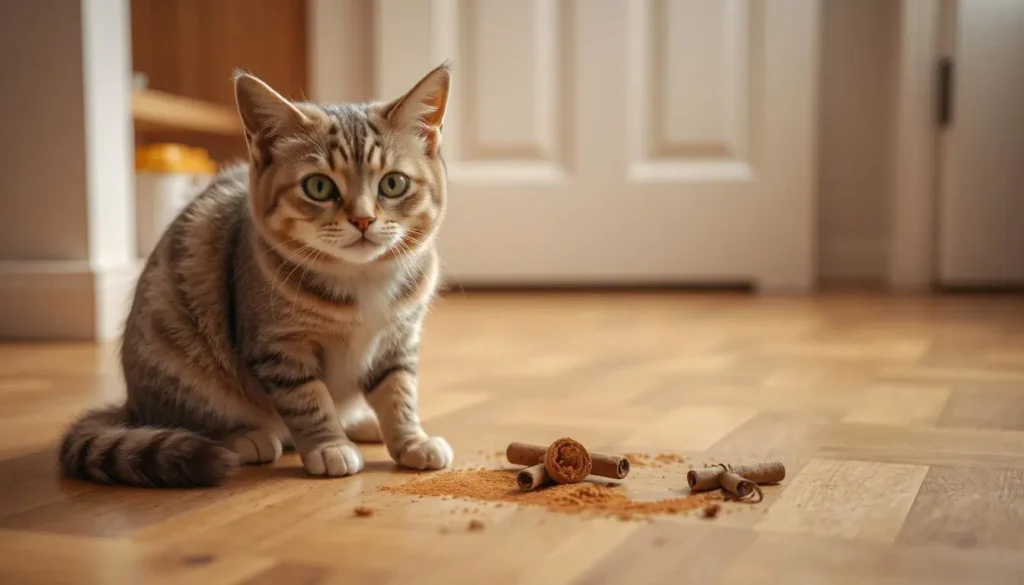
(169, 157)
(167, 177)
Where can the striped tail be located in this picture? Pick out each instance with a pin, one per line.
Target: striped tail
(101, 447)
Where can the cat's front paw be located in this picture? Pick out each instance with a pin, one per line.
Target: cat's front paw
(433, 453)
(256, 446)
(333, 459)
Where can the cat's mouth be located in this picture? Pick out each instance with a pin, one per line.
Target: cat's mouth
(362, 242)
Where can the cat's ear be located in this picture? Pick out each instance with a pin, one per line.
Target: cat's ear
(266, 116)
(423, 107)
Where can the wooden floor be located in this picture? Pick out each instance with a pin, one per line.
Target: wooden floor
(900, 421)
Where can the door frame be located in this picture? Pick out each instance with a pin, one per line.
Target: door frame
(925, 37)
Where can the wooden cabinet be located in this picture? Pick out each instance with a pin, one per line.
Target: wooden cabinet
(188, 50)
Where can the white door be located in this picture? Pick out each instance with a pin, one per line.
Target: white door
(981, 185)
(620, 141)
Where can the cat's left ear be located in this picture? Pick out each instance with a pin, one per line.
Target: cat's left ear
(267, 116)
(423, 107)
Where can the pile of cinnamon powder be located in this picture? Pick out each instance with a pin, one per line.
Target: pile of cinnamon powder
(578, 498)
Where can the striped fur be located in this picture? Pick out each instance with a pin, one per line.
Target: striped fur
(267, 317)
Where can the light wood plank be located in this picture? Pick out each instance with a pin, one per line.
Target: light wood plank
(803, 560)
(968, 508)
(851, 499)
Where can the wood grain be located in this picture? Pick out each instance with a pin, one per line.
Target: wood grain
(983, 410)
(852, 499)
(904, 457)
(968, 508)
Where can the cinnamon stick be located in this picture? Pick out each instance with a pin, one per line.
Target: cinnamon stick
(613, 466)
(524, 453)
(602, 464)
(567, 461)
(533, 477)
(710, 478)
(740, 487)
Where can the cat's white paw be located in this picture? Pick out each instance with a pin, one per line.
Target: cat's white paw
(433, 453)
(363, 429)
(333, 459)
(256, 446)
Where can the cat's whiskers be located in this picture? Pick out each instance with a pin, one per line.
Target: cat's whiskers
(444, 264)
(304, 256)
(404, 257)
(312, 260)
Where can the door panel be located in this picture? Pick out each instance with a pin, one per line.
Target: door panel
(614, 142)
(981, 202)
(691, 90)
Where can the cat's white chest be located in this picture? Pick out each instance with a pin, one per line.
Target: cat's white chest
(348, 358)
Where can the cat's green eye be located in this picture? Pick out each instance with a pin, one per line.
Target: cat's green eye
(319, 188)
(394, 184)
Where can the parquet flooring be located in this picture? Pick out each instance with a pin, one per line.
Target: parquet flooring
(900, 421)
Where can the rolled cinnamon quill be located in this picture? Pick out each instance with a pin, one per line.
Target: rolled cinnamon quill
(524, 453)
(567, 461)
(602, 464)
(739, 487)
(533, 477)
(710, 478)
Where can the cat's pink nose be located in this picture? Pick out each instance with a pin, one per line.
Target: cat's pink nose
(363, 223)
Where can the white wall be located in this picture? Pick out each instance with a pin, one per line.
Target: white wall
(341, 53)
(857, 88)
(43, 166)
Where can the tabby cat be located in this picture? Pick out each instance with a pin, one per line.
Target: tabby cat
(283, 306)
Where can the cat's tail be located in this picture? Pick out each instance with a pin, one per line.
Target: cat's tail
(101, 447)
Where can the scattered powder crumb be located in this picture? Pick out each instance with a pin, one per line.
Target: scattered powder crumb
(578, 498)
(659, 541)
(660, 460)
(364, 511)
(670, 458)
(638, 459)
(711, 510)
(476, 524)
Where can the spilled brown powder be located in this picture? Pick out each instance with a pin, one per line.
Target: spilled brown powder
(577, 498)
(670, 458)
(364, 511)
(475, 525)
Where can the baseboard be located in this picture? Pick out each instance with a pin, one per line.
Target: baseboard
(56, 300)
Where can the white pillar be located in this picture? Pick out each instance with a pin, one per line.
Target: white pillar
(67, 236)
